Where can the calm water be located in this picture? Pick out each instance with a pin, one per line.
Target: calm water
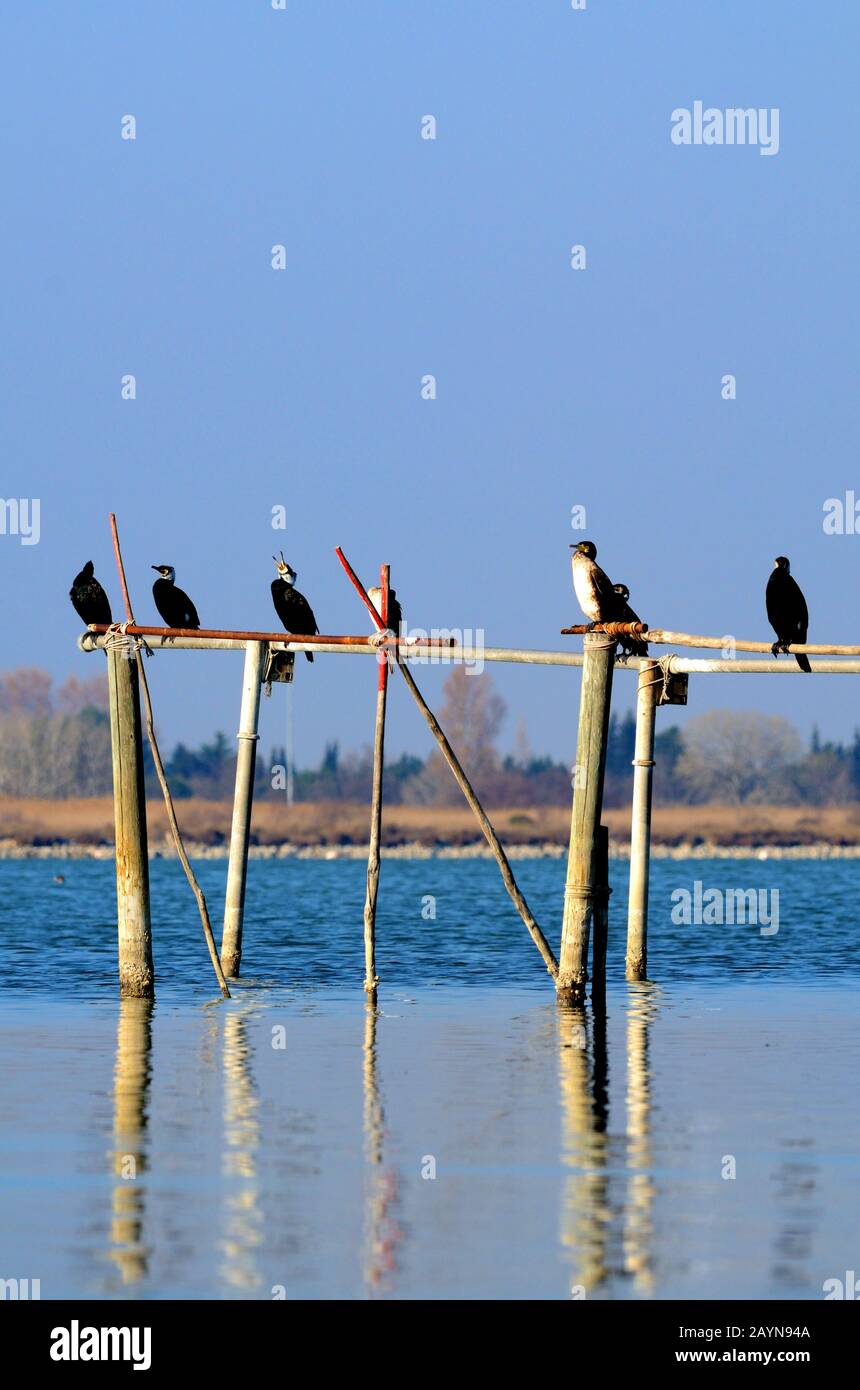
(179, 1150)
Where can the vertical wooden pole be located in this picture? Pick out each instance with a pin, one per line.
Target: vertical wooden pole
(640, 828)
(134, 931)
(585, 816)
(371, 979)
(601, 915)
(243, 796)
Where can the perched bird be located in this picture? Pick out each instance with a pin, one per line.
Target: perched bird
(786, 610)
(630, 646)
(593, 588)
(89, 599)
(292, 607)
(173, 604)
(395, 616)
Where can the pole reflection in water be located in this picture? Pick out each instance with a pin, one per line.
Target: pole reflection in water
(243, 1218)
(585, 1212)
(638, 1212)
(132, 1075)
(382, 1232)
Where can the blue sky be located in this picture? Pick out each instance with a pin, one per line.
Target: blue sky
(258, 388)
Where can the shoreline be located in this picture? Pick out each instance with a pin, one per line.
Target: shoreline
(474, 850)
(83, 828)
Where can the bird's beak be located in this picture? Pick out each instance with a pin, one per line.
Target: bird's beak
(156, 567)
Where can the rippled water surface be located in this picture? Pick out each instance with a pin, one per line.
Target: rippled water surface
(468, 1140)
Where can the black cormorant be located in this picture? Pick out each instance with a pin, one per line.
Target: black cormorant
(593, 588)
(173, 604)
(786, 610)
(89, 598)
(630, 646)
(292, 607)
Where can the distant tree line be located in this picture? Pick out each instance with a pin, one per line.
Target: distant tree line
(56, 743)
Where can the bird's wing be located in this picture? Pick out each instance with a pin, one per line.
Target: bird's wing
(603, 587)
(103, 602)
(773, 600)
(307, 615)
(195, 621)
(799, 610)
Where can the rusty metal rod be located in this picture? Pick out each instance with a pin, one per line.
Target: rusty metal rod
(310, 640)
(371, 979)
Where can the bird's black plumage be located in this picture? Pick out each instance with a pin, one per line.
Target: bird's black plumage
(292, 607)
(630, 646)
(787, 612)
(89, 599)
(173, 603)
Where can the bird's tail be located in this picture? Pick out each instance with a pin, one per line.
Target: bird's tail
(310, 656)
(803, 663)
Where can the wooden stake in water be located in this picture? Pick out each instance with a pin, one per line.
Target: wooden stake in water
(117, 645)
(371, 980)
(582, 879)
(601, 916)
(240, 834)
(650, 682)
(134, 931)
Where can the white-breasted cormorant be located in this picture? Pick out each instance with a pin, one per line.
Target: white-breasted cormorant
(89, 599)
(786, 610)
(292, 607)
(173, 604)
(593, 588)
(630, 646)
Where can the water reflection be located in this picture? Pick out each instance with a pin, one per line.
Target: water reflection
(243, 1219)
(585, 1211)
(643, 1004)
(593, 1218)
(132, 1076)
(382, 1233)
(796, 1182)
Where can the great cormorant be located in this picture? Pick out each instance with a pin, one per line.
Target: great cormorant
(173, 604)
(630, 646)
(786, 610)
(593, 588)
(292, 607)
(89, 598)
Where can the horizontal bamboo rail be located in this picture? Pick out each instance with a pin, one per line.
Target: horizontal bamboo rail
(667, 638)
(517, 656)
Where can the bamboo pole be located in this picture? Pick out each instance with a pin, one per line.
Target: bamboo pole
(243, 797)
(650, 680)
(134, 928)
(515, 656)
(582, 884)
(162, 778)
(371, 980)
(669, 638)
(463, 783)
(601, 916)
